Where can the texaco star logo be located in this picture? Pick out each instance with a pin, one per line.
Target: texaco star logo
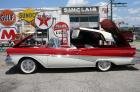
(43, 20)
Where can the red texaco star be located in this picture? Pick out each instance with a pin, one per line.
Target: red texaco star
(44, 19)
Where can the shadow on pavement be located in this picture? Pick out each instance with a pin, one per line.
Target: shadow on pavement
(124, 68)
(67, 70)
(14, 70)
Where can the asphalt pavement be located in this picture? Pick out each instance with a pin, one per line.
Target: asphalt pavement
(119, 79)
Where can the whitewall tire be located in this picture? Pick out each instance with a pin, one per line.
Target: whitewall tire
(104, 65)
(28, 66)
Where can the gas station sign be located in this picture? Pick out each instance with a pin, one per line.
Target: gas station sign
(27, 15)
(7, 17)
(43, 20)
(7, 33)
(61, 31)
(80, 10)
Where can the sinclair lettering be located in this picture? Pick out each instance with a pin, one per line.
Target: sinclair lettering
(80, 10)
(7, 18)
(8, 33)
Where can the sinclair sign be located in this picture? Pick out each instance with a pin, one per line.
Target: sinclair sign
(80, 10)
(7, 33)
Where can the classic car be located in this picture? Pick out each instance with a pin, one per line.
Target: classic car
(88, 48)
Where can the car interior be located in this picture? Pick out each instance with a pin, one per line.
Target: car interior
(79, 39)
(88, 39)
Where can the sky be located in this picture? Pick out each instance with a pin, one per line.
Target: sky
(130, 14)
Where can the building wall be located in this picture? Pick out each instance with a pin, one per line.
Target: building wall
(89, 16)
(74, 17)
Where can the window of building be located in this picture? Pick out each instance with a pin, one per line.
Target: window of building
(85, 19)
(93, 18)
(74, 19)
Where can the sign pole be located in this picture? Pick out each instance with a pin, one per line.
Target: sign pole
(111, 9)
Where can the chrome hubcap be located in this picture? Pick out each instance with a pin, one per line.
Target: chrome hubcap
(28, 66)
(104, 65)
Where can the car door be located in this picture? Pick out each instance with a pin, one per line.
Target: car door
(66, 57)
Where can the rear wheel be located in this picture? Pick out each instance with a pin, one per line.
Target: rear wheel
(28, 65)
(103, 65)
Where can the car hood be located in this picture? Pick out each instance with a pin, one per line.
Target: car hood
(21, 41)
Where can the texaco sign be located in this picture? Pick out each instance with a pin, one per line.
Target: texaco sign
(43, 20)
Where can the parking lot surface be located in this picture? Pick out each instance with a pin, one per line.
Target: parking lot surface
(119, 79)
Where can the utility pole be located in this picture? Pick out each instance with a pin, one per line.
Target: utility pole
(111, 9)
(112, 4)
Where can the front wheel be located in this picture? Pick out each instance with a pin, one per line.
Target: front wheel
(103, 65)
(27, 66)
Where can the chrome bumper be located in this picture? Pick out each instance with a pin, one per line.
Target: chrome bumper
(136, 60)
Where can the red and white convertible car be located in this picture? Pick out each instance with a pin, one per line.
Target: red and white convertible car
(89, 48)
